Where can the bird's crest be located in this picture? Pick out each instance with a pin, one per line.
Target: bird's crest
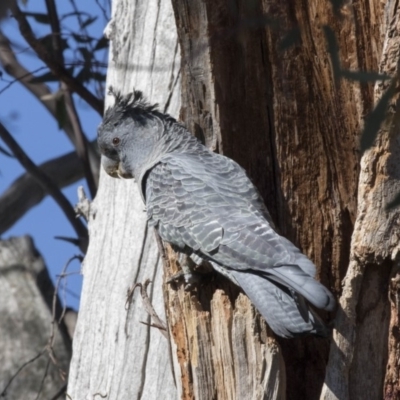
(133, 104)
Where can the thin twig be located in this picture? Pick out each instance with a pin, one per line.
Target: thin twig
(83, 29)
(43, 93)
(54, 321)
(43, 379)
(56, 68)
(54, 304)
(103, 10)
(49, 348)
(25, 192)
(25, 364)
(159, 323)
(47, 184)
(81, 142)
(60, 392)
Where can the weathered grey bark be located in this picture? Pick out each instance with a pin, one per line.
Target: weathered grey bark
(26, 297)
(114, 354)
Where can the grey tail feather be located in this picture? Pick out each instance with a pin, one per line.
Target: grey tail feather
(293, 277)
(286, 312)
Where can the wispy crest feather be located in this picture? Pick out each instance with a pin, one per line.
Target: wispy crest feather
(132, 103)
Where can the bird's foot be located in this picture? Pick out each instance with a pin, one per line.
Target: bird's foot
(190, 279)
(193, 269)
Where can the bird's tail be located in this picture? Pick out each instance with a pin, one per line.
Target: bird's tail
(280, 296)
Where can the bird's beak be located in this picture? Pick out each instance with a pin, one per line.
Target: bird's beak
(114, 168)
(110, 166)
(122, 173)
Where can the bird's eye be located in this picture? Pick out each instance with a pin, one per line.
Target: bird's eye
(116, 141)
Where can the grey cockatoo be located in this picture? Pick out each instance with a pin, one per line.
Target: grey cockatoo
(205, 205)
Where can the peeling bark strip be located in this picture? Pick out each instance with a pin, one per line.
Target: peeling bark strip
(224, 348)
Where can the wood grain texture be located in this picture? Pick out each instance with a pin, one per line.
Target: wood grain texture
(317, 122)
(294, 125)
(366, 339)
(222, 347)
(26, 295)
(115, 355)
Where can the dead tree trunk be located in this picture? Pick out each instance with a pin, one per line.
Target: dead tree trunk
(366, 340)
(115, 355)
(35, 350)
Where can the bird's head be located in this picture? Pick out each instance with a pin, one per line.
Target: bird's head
(129, 135)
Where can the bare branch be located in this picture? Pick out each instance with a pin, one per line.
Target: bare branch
(159, 323)
(47, 184)
(80, 143)
(25, 192)
(56, 320)
(82, 208)
(40, 90)
(56, 68)
(43, 378)
(25, 364)
(60, 392)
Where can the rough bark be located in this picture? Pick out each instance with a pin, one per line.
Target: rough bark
(114, 354)
(221, 347)
(286, 115)
(26, 292)
(294, 124)
(224, 348)
(366, 339)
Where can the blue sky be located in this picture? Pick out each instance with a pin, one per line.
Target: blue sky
(38, 134)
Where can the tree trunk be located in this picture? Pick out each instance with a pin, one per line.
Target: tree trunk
(35, 350)
(261, 83)
(366, 339)
(115, 355)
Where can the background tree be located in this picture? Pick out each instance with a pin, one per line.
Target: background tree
(36, 328)
(287, 90)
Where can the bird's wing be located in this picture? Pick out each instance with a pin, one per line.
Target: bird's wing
(206, 202)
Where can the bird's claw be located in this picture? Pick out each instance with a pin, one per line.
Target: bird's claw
(191, 280)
